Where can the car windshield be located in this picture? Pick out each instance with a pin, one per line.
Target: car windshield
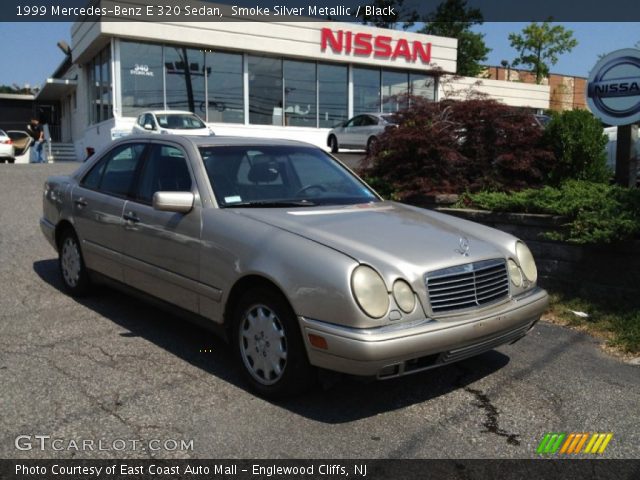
(179, 121)
(280, 176)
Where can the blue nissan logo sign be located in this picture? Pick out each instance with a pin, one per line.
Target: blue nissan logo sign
(613, 88)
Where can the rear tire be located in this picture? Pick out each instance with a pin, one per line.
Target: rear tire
(12, 160)
(269, 345)
(333, 144)
(73, 271)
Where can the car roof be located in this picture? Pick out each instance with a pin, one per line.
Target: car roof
(221, 140)
(163, 112)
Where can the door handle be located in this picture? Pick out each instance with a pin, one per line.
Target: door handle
(80, 202)
(131, 217)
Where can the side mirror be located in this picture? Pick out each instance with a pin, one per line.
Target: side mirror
(179, 202)
(148, 126)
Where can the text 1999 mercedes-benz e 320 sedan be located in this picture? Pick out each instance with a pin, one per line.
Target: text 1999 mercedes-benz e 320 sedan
(298, 261)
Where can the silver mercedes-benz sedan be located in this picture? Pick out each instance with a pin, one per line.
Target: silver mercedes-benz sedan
(287, 253)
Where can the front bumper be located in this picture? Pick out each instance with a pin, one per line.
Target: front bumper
(400, 349)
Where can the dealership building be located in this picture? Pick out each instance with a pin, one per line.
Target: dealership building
(267, 79)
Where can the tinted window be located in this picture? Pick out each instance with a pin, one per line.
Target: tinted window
(141, 74)
(300, 93)
(92, 179)
(265, 91)
(366, 90)
(225, 86)
(332, 94)
(184, 78)
(165, 170)
(114, 173)
(395, 86)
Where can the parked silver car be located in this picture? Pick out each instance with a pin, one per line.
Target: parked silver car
(359, 132)
(291, 256)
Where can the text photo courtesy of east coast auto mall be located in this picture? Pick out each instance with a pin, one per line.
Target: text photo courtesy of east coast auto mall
(293, 240)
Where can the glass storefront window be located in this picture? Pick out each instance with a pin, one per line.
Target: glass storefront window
(394, 86)
(281, 91)
(105, 84)
(225, 87)
(184, 79)
(422, 85)
(333, 94)
(100, 87)
(366, 90)
(300, 94)
(141, 73)
(265, 91)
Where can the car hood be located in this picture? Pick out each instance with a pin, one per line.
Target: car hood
(392, 237)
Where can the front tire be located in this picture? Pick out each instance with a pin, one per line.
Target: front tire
(269, 345)
(333, 144)
(73, 271)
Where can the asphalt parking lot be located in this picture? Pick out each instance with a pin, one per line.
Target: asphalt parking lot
(112, 367)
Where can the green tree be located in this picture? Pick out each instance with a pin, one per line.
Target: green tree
(539, 46)
(453, 18)
(578, 142)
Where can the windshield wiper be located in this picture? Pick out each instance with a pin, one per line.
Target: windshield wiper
(271, 204)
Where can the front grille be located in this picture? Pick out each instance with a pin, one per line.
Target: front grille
(467, 286)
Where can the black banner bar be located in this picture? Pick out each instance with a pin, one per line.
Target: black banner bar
(331, 469)
(306, 10)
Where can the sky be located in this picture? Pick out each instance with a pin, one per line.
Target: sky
(30, 48)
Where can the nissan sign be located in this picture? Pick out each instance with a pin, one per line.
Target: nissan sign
(613, 89)
(381, 46)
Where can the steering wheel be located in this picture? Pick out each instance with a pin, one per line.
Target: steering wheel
(309, 187)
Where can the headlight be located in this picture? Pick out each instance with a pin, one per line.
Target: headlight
(370, 291)
(527, 263)
(404, 296)
(514, 273)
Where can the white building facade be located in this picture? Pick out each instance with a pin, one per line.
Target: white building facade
(290, 80)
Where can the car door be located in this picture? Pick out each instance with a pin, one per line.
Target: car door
(367, 128)
(162, 248)
(97, 204)
(350, 132)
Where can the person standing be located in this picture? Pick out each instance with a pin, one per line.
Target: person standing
(37, 133)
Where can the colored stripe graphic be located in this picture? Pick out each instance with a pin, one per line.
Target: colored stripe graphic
(573, 443)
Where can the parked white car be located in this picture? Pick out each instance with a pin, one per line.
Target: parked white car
(173, 122)
(359, 132)
(7, 152)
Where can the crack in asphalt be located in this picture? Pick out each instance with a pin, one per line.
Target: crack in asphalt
(491, 423)
(492, 414)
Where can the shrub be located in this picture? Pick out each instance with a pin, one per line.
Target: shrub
(578, 142)
(596, 212)
(454, 146)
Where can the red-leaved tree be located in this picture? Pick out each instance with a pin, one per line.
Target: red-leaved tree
(456, 146)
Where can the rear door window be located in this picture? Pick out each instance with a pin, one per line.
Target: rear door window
(115, 172)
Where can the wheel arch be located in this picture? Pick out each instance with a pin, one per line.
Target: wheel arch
(61, 227)
(243, 285)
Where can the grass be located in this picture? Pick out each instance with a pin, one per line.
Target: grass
(612, 318)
